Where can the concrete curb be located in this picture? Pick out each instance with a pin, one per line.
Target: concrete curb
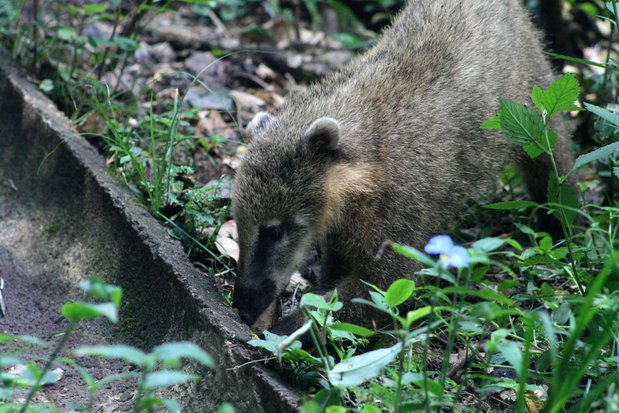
(169, 299)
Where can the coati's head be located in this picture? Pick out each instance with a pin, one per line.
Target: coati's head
(278, 204)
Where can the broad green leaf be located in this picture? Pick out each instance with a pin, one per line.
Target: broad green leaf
(271, 342)
(417, 314)
(413, 254)
(370, 408)
(561, 95)
(399, 291)
(226, 408)
(512, 353)
(357, 369)
(336, 409)
(533, 150)
(353, 328)
(608, 116)
(24, 339)
(67, 33)
(319, 302)
(512, 205)
(493, 123)
(546, 244)
(520, 124)
(129, 354)
(601, 153)
(562, 195)
(93, 8)
(489, 244)
(166, 378)
(184, 349)
(79, 311)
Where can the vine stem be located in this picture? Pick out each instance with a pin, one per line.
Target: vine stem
(564, 226)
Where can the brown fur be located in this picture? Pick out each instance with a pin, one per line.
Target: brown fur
(400, 151)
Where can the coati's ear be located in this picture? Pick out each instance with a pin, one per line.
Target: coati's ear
(323, 135)
(258, 124)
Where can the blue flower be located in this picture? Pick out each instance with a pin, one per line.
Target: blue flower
(450, 255)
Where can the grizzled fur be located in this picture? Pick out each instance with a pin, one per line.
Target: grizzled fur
(386, 149)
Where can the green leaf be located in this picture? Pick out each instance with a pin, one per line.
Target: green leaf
(92, 8)
(79, 311)
(173, 406)
(492, 123)
(561, 95)
(546, 244)
(399, 291)
(520, 124)
(577, 60)
(352, 328)
(319, 302)
(370, 408)
(357, 369)
(417, 314)
(488, 295)
(563, 196)
(489, 244)
(601, 153)
(46, 85)
(67, 33)
(512, 353)
(129, 354)
(413, 254)
(166, 378)
(536, 97)
(616, 171)
(271, 342)
(172, 352)
(608, 116)
(226, 408)
(512, 205)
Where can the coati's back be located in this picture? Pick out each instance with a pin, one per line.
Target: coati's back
(386, 149)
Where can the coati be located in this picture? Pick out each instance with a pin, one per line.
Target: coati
(386, 149)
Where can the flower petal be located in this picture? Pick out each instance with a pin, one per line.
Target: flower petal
(439, 244)
(458, 257)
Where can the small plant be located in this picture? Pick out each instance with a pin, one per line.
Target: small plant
(160, 368)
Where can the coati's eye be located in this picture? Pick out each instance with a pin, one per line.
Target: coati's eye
(273, 232)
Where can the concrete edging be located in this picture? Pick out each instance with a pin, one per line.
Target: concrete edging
(171, 299)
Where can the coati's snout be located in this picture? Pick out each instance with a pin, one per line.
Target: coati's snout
(252, 301)
(278, 205)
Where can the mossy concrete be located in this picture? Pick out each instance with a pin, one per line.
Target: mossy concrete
(62, 210)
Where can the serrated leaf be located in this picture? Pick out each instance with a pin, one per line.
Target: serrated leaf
(512, 205)
(492, 123)
(166, 378)
(399, 291)
(353, 328)
(78, 311)
(520, 124)
(170, 352)
(561, 95)
(533, 150)
(129, 354)
(357, 369)
(536, 97)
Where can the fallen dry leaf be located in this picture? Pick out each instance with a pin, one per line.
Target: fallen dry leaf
(226, 241)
